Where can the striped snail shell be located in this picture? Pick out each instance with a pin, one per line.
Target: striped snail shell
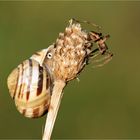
(30, 85)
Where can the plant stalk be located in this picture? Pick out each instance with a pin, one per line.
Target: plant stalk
(53, 108)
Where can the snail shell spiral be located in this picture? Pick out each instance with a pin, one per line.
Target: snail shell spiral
(30, 85)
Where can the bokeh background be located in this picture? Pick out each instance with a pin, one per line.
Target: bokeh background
(106, 101)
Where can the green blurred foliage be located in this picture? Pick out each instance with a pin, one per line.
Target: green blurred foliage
(106, 101)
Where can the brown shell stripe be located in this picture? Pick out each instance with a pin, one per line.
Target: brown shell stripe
(29, 80)
(36, 112)
(37, 53)
(20, 79)
(40, 80)
(16, 84)
(47, 81)
(24, 111)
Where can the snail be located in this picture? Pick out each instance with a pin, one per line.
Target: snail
(30, 85)
(37, 84)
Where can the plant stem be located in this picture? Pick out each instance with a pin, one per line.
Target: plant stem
(53, 108)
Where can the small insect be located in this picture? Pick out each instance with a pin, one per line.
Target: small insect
(36, 85)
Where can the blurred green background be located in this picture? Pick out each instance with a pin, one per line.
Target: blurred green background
(106, 101)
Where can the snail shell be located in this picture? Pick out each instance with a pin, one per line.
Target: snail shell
(30, 85)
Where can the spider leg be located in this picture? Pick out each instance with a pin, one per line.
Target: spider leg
(94, 53)
(103, 60)
(87, 22)
(101, 44)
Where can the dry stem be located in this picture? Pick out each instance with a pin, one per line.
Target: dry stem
(53, 108)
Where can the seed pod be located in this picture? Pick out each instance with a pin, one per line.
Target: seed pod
(30, 85)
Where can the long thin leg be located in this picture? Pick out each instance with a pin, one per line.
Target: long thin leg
(105, 62)
(106, 58)
(90, 23)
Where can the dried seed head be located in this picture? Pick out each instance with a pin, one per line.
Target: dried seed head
(72, 50)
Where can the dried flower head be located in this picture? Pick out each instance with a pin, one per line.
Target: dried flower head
(73, 49)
